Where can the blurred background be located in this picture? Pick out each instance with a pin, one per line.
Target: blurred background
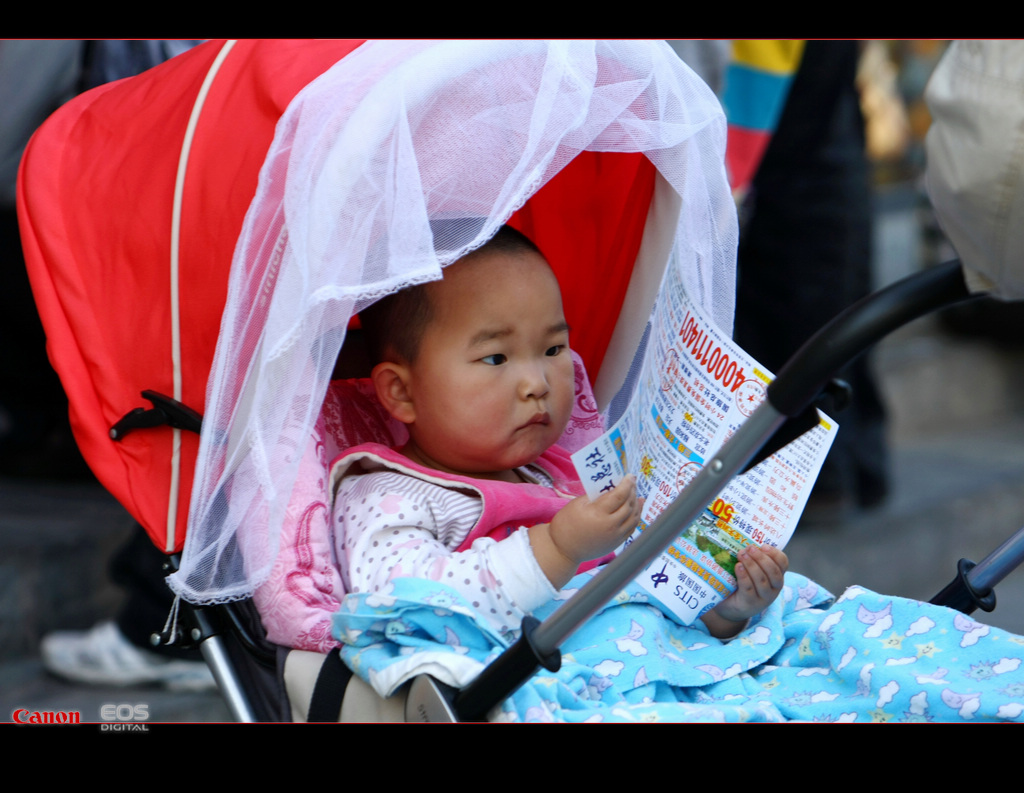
(949, 479)
(950, 383)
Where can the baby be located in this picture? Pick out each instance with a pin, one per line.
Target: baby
(477, 366)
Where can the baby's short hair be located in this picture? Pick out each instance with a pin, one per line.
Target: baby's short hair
(394, 325)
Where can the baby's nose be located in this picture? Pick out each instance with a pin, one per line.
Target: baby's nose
(534, 383)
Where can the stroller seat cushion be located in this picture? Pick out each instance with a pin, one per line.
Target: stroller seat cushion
(305, 587)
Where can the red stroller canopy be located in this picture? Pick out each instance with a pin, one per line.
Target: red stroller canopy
(129, 252)
(96, 202)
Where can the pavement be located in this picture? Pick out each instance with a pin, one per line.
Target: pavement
(956, 438)
(56, 541)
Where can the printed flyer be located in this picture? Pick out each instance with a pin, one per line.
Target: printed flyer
(696, 387)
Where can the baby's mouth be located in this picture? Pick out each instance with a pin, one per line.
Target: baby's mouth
(539, 418)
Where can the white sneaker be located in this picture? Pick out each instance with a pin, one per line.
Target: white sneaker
(103, 656)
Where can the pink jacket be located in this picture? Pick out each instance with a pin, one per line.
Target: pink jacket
(506, 506)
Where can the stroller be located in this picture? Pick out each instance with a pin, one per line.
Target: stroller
(616, 174)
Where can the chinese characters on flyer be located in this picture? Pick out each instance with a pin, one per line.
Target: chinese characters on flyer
(695, 389)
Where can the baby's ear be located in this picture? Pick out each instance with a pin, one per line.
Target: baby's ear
(391, 380)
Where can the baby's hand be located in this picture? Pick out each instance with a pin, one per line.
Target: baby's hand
(760, 572)
(585, 530)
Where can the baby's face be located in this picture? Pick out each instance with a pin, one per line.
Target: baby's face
(493, 381)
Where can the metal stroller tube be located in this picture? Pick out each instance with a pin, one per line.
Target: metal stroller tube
(994, 567)
(793, 392)
(216, 656)
(973, 586)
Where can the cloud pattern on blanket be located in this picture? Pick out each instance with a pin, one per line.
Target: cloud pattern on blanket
(810, 656)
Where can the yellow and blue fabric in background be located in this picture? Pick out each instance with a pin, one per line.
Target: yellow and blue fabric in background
(757, 82)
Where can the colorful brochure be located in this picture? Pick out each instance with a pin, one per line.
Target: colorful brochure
(696, 387)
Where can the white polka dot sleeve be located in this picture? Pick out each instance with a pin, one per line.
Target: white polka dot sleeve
(388, 525)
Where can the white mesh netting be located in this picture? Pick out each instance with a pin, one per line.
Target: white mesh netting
(393, 138)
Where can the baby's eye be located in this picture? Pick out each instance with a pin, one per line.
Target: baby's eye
(494, 360)
(552, 351)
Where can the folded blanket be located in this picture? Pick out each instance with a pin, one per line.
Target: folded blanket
(861, 657)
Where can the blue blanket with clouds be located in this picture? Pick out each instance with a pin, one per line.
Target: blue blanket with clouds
(861, 657)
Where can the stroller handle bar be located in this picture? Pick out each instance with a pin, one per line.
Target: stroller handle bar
(793, 392)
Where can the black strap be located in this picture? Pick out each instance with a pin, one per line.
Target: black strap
(329, 691)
